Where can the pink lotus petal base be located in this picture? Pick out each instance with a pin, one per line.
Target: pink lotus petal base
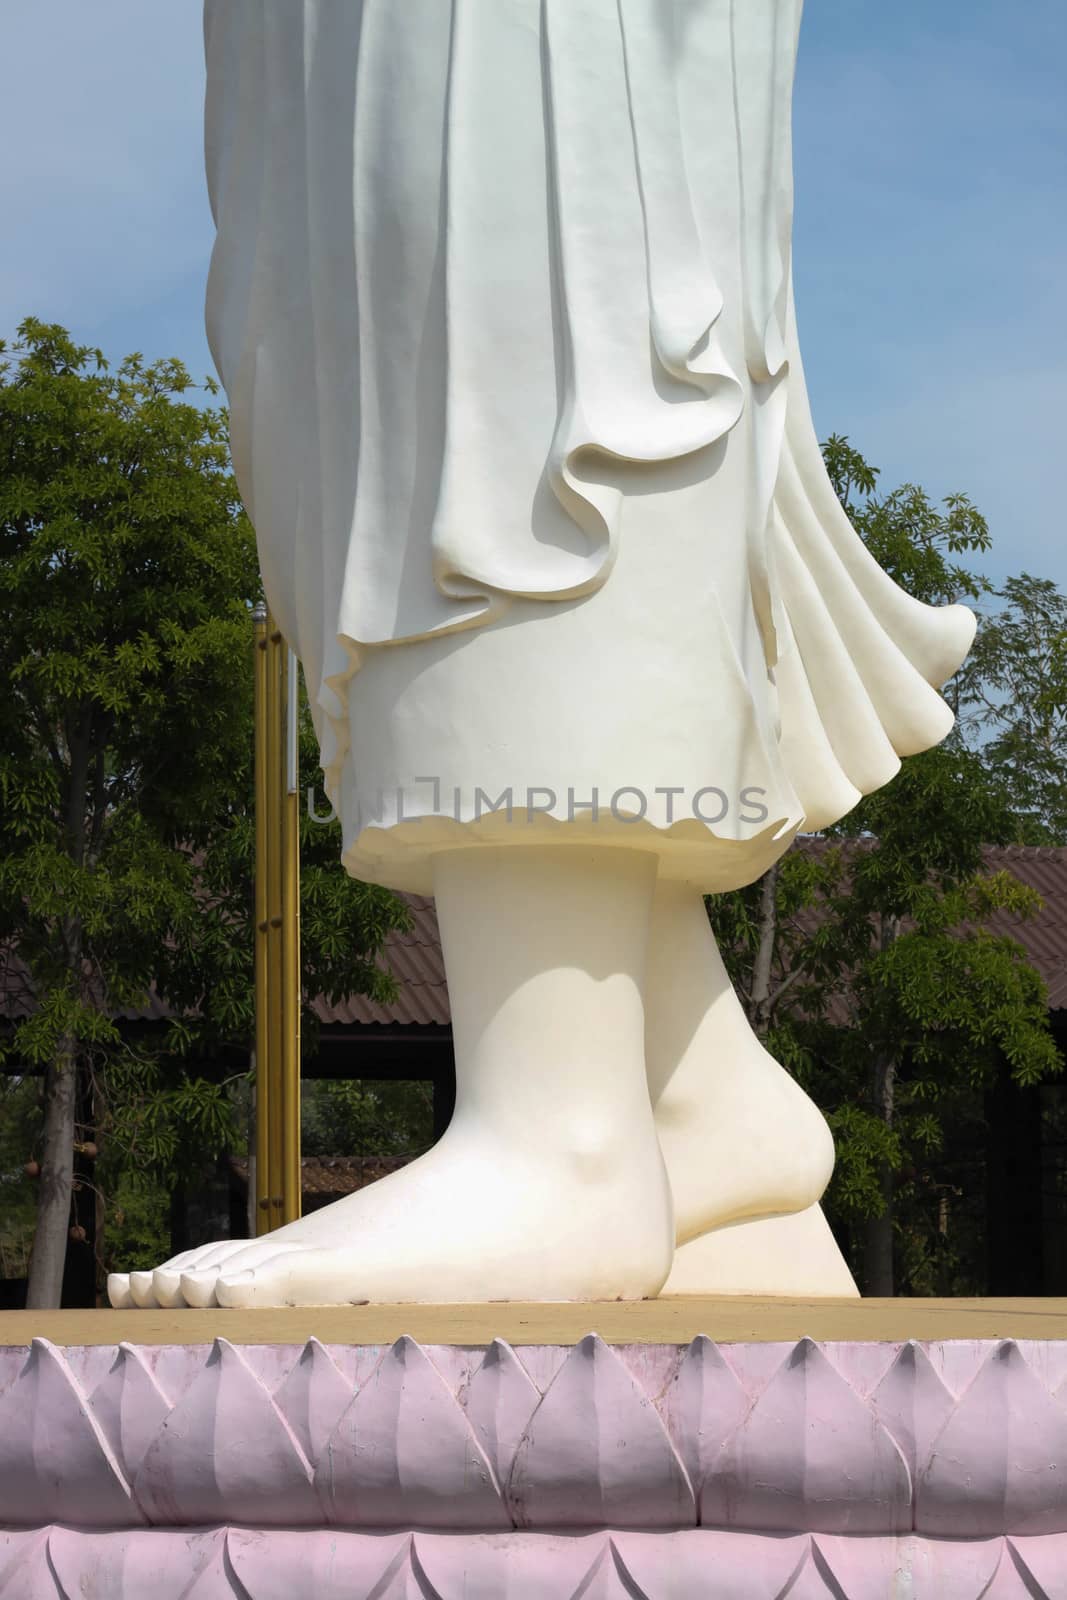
(933, 1469)
(230, 1563)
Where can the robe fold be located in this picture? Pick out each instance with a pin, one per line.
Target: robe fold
(502, 302)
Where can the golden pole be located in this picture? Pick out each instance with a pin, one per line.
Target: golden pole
(262, 667)
(290, 941)
(275, 761)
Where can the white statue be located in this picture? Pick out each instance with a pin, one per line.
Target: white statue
(502, 302)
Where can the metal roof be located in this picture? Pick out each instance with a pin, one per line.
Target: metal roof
(333, 1175)
(1044, 937)
(416, 962)
(414, 959)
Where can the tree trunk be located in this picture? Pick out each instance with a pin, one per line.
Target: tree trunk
(45, 1289)
(878, 1254)
(760, 1002)
(878, 1231)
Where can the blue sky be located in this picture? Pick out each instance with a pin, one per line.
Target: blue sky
(931, 236)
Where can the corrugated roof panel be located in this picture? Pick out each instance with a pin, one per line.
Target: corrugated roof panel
(415, 960)
(1044, 937)
(334, 1175)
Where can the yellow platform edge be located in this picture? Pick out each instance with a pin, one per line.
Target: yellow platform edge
(668, 1320)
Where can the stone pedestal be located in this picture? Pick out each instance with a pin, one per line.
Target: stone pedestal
(801, 1466)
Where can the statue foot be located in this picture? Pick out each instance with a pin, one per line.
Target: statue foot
(162, 1287)
(296, 1277)
(739, 1135)
(743, 1142)
(550, 1184)
(468, 1221)
(794, 1256)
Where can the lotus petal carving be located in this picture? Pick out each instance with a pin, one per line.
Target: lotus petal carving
(596, 1453)
(911, 1567)
(702, 1406)
(772, 1439)
(55, 1460)
(59, 1563)
(501, 1398)
(130, 1407)
(164, 1565)
(1042, 1560)
(21, 1553)
(999, 1464)
(404, 1454)
(912, 1404)
(809, 1455)
(216, 1580)
(225, 1453)
(31, 1575)
(710, 1566)
(512, 1566)
(1011, 1581)
(327, 1564)
(313, 1398)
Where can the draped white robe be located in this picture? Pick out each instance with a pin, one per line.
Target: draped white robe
(475, 259)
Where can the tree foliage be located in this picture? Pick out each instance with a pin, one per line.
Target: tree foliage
(367, 1118)
(1013, 702)
(127, 573)
(126, 568)
(911, 537)
(865, 957)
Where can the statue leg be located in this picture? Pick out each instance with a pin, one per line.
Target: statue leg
(549, 1183)
(747, 1152)
(740, 1137)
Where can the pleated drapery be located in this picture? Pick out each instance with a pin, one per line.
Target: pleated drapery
(473, 254)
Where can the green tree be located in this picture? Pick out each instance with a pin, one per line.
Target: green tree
(367, 1118)
(910, 536)
(1013, 702)
(19, 1115)
(863, 957)
(126, 568)
(127, 572)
